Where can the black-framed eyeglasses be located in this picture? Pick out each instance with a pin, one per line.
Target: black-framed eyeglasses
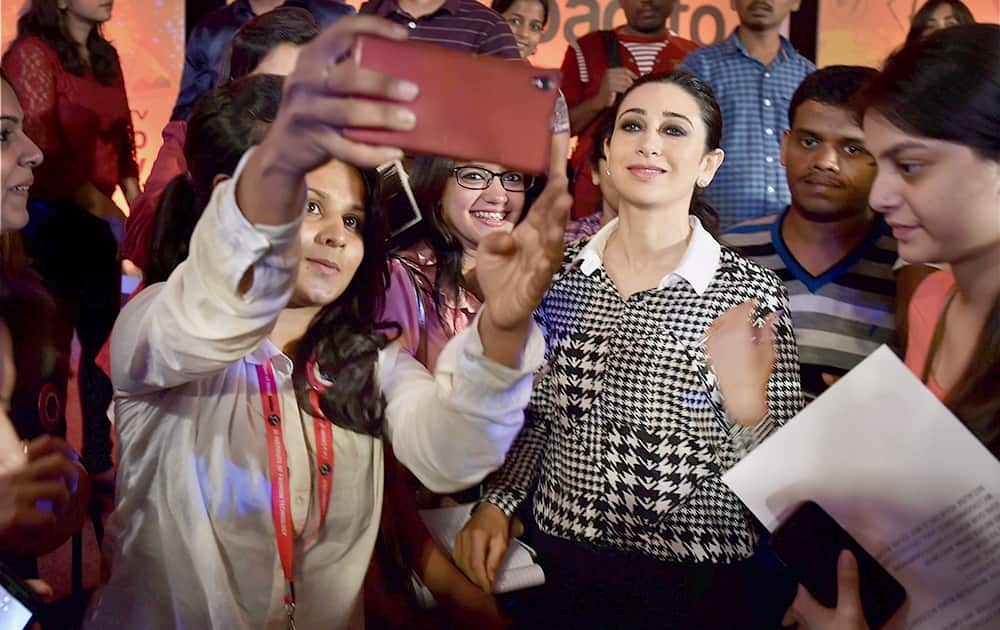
(479, 178)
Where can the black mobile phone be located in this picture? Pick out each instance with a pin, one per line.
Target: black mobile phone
(809, 542)
(18, 603)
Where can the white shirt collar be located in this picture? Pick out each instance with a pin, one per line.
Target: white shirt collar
(697, 266)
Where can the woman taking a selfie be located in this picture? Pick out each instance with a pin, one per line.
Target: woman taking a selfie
(254, 387)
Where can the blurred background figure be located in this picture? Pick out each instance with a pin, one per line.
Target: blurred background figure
(936, 15)
(70, 84)
(209, 40)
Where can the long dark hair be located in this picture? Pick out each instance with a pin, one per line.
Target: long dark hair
(920, 19)
(44, 20)
(429, 176)
(711, 116)
(225, 123)
(344, 338)
(947, 87)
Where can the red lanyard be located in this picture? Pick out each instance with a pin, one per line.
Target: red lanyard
(280, 491)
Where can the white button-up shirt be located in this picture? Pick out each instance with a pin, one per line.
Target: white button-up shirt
(192, 537)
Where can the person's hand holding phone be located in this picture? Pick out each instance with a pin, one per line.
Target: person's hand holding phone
(848, 615)
(317, 104)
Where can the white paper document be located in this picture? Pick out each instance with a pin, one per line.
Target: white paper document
(899, 472)
(517, 568)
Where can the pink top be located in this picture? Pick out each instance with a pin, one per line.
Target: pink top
(926, 308)
(401, 304)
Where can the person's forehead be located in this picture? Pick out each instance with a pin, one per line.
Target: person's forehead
(337, 181)
(526, 7)
(659, 97)
(9, 105)
(815, 115)
(491, 166)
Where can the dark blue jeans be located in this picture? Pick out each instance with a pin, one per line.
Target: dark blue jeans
(76, 255)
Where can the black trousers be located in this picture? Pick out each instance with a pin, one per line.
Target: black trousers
(591, 587)
(76, 255)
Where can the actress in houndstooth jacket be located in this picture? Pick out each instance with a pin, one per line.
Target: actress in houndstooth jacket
(668, 357)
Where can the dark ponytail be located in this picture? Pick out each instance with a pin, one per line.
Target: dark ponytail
(170, 237)
(225, 123)
(976, 397)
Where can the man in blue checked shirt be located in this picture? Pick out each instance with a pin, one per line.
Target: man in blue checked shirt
(754, 73)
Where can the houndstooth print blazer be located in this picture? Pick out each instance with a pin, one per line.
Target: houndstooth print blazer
(626, 435)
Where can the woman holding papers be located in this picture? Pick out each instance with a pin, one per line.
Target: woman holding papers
(938, 185)
(254, 387)
(668, 356)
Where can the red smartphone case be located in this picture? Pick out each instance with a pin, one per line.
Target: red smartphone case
(470, 107)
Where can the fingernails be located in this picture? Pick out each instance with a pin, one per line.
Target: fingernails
(407, 119)
(843, 560)
(406, 90)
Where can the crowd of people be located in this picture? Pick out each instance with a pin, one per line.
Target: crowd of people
(582, 353)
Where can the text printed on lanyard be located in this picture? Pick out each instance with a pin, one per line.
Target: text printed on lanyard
(280, 486)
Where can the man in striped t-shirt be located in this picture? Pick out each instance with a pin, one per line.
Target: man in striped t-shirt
(599, 66)
(465, 25)
(833, 253)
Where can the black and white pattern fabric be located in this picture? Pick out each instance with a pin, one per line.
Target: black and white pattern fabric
(625, 434)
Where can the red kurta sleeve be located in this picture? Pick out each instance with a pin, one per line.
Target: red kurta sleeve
(34, 70)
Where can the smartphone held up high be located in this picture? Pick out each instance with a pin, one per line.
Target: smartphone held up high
(470, 107)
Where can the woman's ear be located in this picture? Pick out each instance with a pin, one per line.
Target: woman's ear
(219, 178)
(710, 164)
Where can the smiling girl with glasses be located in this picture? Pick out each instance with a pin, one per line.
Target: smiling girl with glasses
(433, 296)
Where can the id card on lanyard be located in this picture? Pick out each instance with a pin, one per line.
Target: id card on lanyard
(280, 487)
